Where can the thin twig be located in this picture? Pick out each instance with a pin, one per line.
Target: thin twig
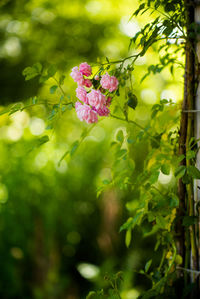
(188, 270)
(137, 125)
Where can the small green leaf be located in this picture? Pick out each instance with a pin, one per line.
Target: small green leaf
(121, 153)
(132, 221)
(165, 168)
(4, 111)
(161, 222)
(63, 156)
(34, 100)
(51, 70)
(42, 140)
(174, 201)
(154, 177)
(120, 136)
(180, 171)
(128, 237)
(189, 220)
(181, 158)
(53, 89)
(74, 147)
(193, 172)
(190, 155)
(61, 80)
(15, 108)
(49, 127)
(186, 179)
(91, 295)
(43, 78)
(169, 7)
(178, 259)
(147, 266)
(31, 72)
(52, 114)
(69, 107)
(130, 141)
(63, 108)
(132, 101)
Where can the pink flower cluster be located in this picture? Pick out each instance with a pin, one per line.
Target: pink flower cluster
(78, 74)
(93, 102)
(109, 82)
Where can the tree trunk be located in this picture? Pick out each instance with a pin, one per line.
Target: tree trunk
(189, 194)
(197, 124)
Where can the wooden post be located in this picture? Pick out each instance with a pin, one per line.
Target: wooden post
(197, 124)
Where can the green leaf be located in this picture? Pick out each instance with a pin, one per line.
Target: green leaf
(189, 220)
(52, 114)
(161, 222)
(120, 136)
(63, 156)
(132, 101)
(91, 295)
(190, 155)
(180, 171)
(61, 80)
(51, 70)
(186, 179)
(42, 140)
(193, 172)
(121, 153)
(130, 141)
(53, 89)
(132, 221)
(15, 108)
(148, 265)
(34, 100)
(154, 177)
(43, 78)
(181, 158)
(174, 201)
(74, 147)
(169, 7)
(49, 127)
(165, 168)
(128, 238)
(4, 111)
(31, 72)
(69, 107)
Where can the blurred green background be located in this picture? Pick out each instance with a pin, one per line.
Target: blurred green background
(57, 239)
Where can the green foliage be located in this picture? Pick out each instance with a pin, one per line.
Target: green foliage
(31, 72)
(112, 291)
(132, 100)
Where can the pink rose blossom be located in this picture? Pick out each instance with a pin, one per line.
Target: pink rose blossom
(105, 81)
(81, 94)
(84, 112)
(109, 82)
(85, 69)
(96, 99)
(103, 111)
(77, 76)
(113, 83)
(87, 83)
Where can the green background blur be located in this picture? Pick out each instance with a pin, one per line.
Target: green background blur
(57, 239)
